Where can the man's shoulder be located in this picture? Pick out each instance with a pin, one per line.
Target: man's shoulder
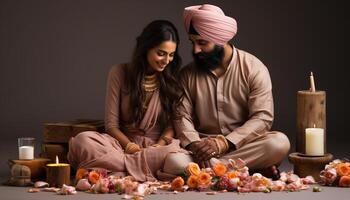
(246, 56)
(252, 68)
(249, 61)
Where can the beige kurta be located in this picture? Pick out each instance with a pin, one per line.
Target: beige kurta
(93, 149)
(238, 104)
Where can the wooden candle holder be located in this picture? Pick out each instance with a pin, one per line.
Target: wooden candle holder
(58, 174)
(36, 166)
(311, 110)
(309, 165)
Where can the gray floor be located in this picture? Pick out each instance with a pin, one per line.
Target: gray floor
(8, 150)
(328, 193)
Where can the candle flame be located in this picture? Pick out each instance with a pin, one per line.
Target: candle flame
(57, 161)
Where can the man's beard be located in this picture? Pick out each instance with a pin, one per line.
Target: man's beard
(209, 60)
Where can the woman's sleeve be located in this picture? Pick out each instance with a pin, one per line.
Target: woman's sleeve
(112, 104)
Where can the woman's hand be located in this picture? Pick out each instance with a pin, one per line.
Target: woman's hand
(132, 148)
(157, 145)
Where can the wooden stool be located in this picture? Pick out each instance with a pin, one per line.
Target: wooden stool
(37, 167)
(309, 165)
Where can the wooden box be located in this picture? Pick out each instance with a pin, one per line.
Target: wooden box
(56, 136)
(50, 151)
(61, 132)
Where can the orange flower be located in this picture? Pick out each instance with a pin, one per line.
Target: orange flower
(204, 178)
(265, 181)
(344, 181)
(343, 169)
(193, 169)
(219, 169)
(177, 183)
(232, 174)
(93, 177)
(192, 182)
(81, 173)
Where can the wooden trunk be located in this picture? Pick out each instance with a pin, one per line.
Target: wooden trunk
(311, 111)
(91, 126)
(61, 132)
(56, 137)
(50, 151)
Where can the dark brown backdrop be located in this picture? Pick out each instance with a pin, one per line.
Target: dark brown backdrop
(55, 55)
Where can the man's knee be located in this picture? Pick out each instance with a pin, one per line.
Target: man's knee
(277, 145)
(175, 163)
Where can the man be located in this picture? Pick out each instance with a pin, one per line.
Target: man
(227, 110)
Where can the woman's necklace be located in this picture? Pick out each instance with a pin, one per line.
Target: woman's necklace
(150, 83)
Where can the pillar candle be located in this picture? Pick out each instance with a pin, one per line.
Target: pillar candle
(314, 141)
(58, 174)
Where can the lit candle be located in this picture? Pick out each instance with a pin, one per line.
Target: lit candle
(58, 173)
(314, 141)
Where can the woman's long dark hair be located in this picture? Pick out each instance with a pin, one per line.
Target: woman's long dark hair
(170, 90)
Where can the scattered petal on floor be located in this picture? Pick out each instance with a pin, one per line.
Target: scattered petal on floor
(33, 190)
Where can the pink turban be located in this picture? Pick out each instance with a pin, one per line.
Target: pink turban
(211, 23)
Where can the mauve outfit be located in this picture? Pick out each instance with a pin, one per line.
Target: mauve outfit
(238, 105)
(92, 149)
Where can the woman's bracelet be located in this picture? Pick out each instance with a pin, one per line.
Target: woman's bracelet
(130, 144)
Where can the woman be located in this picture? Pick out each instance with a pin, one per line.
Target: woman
(140, 99)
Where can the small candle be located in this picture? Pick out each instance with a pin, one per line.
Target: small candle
(58, 174)
(314, 141)
(312, 83)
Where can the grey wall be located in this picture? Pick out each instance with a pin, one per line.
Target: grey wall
(55, 56)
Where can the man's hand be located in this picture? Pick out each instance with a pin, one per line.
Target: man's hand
(203, 150)
(194, 147)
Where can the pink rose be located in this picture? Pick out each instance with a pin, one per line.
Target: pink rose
(328, 176)
(278, 185)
